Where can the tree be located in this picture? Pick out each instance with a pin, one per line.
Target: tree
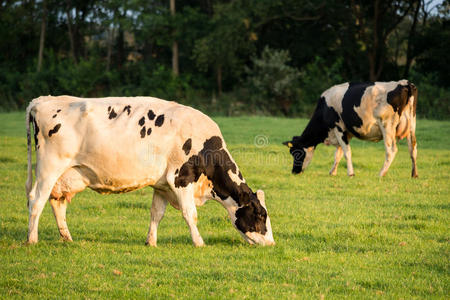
(274, 80)
(229, 42)
(374, 21)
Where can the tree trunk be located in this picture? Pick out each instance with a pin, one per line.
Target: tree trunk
(70, 30)
(110, 40)
(175, 68)
(219, 81)
(412, 32)
(42, 38)
(120, 47)
(373, 54)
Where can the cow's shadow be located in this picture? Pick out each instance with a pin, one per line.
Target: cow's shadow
(15, 235)
(175, 240)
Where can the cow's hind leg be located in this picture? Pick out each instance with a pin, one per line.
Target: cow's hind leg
(337, 158)
(159, 204)
(390, 145)
(70, 183)
(45, 180)
(59, 207)
(412, 146)
(187, 205)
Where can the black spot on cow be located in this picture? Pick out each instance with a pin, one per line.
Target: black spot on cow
(151, 115)
(159, 120)
(142, 132)
(345, 138)
(187, 146)
(141, 121)
(251, 218)
(149, 131)
(109, 109)
(323, 119)
(36, 131)
(54, 130)
(399, 97)
(58, 111)
(112, 114)
(352, 98)
(240, 176)
(344, 134)
(214, 162)
(176, 171)
(127, 109)
(54, 116)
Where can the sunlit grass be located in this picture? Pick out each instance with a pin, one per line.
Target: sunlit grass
(361, 237)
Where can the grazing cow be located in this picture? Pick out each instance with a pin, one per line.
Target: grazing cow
(369, 111)
(117, 145)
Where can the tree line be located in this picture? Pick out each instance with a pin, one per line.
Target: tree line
(223, 56)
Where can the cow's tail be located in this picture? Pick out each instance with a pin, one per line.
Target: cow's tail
(29, 183)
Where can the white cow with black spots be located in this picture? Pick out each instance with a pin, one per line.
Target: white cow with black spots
(370, 111)
(116, 145)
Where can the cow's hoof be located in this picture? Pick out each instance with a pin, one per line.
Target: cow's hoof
(31, 242)
(150, 244)
(66, 236)
(351, 175)
(199, 244)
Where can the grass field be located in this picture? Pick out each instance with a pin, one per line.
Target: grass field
(361, 237)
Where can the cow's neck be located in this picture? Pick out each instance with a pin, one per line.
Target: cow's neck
(315, 132)
(227, 189)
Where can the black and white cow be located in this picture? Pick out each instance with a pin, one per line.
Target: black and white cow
(116, 145)
(369, 111)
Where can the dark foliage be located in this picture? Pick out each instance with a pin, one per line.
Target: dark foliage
(234, 57)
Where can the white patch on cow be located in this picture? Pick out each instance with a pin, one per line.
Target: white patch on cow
(231, 207)
(235, 177)
(308, 157)
(333, 96)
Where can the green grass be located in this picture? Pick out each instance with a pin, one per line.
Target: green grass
(361, 237)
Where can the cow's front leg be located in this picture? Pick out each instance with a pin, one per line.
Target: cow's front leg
(59, 208)
(159, 204)
(337, 158)
(389, 144)
(189, 211)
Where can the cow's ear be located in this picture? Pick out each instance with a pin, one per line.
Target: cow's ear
(288, 143)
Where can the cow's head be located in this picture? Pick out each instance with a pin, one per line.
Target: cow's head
(250, 217)
(301, 153)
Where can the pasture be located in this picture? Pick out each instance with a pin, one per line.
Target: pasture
(362, 237)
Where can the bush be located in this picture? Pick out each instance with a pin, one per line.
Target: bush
(434, 100)
(275, 83)
(315, 78)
